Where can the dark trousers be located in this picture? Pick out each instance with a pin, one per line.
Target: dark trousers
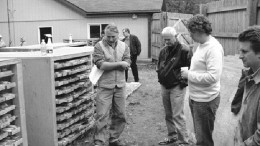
(203, 114)
(134, 68)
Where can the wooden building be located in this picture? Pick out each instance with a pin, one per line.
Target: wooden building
(83, 19)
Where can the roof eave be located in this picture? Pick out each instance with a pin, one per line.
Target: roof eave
(123, 12)
(73, 6)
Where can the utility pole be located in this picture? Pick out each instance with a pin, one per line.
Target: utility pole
(252, 12)
(8, 21)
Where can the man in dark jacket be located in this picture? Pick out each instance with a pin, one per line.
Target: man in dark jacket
(248, 133)
(135, 49)
(171, 58)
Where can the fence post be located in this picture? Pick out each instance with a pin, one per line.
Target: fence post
(163, 19)
(164, 23)
(203, 9)
(252, 12)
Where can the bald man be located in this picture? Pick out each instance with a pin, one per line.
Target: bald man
(172, 57)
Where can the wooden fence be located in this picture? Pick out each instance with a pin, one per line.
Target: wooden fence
(161, 20)
(229, 18)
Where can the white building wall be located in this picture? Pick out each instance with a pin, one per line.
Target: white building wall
(26, 16)
(138, 27)
(60, 30)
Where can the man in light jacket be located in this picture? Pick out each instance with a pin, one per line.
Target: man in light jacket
(112, 56)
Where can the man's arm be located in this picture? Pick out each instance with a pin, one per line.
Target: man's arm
(186, 55)
(138, 45)
(158, 62)
(254, 140)
(99, 60)
(126, 55)
(113, 66)
(214, 63)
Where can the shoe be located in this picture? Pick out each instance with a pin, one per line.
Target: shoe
(168, 141)
(185, 144)
(98, 143)
(117, 143)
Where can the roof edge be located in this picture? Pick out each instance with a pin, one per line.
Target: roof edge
(118, 15)
(123, 12)
(73, 6)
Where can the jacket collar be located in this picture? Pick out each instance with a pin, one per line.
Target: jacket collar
(127, 37)
(107, 44)
(254, 75)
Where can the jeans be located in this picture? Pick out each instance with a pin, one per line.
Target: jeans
(110, 100)
(173, 102)
(203, 114)
(134, 68)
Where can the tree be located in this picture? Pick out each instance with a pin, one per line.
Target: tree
(184, 6)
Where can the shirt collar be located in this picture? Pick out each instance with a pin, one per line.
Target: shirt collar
(208, 41)
(127, 37)
(254, 75)
(106, 43)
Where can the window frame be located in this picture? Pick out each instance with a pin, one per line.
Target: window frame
(95, 24)
(39, 35)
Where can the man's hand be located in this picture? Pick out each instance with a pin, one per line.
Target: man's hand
(184, 73)
(123, 65)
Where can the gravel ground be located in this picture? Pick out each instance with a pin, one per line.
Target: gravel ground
(145, 113)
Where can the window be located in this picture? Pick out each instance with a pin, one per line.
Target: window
(95, 30)
(43, 31)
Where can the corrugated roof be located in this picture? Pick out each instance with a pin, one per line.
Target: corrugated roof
(117, 6)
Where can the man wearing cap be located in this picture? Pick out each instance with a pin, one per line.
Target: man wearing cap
(112, 56)
(2, 43)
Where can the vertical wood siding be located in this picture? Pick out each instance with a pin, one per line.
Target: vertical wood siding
(228, 18)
